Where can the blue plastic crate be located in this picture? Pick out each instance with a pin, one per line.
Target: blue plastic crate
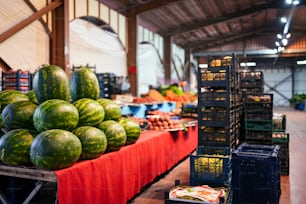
(210, 166)
(256, 174)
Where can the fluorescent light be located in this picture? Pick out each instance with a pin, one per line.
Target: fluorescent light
(277, 43)
(288, 35)
(203, 65)
(301, 62)
(289, 1)
(283, 19)
(284, 41)
(248, 64)
(296, 2)
(279, 36)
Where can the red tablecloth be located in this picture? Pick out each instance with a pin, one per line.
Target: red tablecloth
(116, 177)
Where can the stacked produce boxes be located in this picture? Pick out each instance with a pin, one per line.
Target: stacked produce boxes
(107, 82)
(258, 125)
(281, 138)
(17, 80)
(256, 174)
(217, 119)
(252, 83)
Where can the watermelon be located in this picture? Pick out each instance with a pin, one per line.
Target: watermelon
(18, 115)
(115, 134)
(51, 82)
(84, 84)
(15, 147)
(32, 96)
(55, 149)
(55, 114)
(132, 130)
(10, 96)
(112, 110)
(91, 113)
(93, 140)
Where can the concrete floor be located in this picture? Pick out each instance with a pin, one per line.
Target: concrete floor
(292, 186)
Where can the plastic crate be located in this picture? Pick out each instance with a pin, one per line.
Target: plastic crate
(217, 98)
(256, 174)
(251, 84)
(255, 125)
(283, 142)
(15, 74)
(216, 117)
(250, 114)
(210, 166)
(216, 136)
(189, 111)
(258, 137)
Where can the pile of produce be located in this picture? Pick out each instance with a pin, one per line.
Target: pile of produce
(61, 121)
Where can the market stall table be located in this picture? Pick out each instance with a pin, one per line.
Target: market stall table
(118, 176)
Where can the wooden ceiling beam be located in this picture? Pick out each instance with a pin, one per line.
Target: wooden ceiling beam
(29, 20)
(224, 18)
(141, 8)
(210, 40)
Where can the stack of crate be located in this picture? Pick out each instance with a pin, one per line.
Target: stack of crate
(16, 80)
(281, 137)
(258, 124)
(256, 174)
(107, 82)
(216, 124)
(251, 83)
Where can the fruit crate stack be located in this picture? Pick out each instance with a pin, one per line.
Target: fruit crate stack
(258, 124)
(17, 80)
(210, 164)
(256, 174)
(281, 138)
(107, 82)
(251, 83)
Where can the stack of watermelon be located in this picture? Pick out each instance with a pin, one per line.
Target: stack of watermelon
(61, 121)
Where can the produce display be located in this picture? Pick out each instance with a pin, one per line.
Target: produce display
(163, 123)
(49, 129)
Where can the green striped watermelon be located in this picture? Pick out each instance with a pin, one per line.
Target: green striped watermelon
(10, 96)
(131, 128)
(55, 114)
(55, 149)
(18, 115)
(32, 96)
(115, 134)
(51, 82)
(91, 113)
(93, 140)
(84, 84)
(112, 110)
(15, 147)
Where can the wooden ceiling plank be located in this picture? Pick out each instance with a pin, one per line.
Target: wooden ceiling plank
(29, 20)
(212, 21)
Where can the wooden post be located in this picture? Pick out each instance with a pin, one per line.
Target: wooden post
(131, 30)
(60, 37)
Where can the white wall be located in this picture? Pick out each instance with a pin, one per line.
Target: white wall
(93, 46)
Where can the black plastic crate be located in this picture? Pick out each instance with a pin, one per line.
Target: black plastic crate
(210, 166)
(251, 76)
(216, 98)
(256, 174)
(216, 117)
(216, 136)
(251, 114)
(189, 111)
(258, 125)
(251, 84)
